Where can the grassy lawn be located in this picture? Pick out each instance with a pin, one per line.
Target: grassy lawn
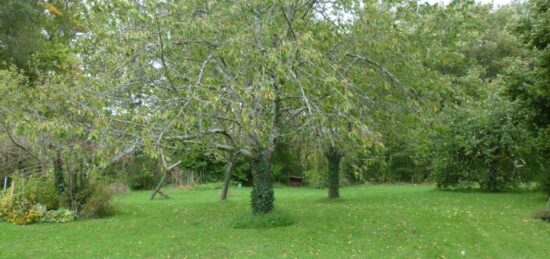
(374, 221)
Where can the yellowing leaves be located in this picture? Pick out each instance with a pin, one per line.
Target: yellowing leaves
(50, 7)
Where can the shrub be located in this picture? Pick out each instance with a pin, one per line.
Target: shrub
(481, 144)
(97, 204)
(208, 186)
(59, 216)
(19, 211)
(316, 178)
(274, 219)
(42, 190)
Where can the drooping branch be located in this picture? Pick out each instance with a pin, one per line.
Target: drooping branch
(19, 145)
(385, 72)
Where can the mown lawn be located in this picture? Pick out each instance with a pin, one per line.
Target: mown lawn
(401, 221)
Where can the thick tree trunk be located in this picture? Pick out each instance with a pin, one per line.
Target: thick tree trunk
(262, 191)
(333, 157)
(228, 172)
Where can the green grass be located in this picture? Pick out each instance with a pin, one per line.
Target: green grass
(274, 219)
(372, 221)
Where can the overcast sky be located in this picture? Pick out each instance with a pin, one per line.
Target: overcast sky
(496, 2)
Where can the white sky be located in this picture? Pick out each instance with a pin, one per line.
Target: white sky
(495, 2)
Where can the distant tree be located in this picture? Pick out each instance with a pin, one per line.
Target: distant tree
(528, 80)
(35, 35)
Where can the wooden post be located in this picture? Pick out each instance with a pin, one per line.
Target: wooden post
(5, 184)
(12, 188)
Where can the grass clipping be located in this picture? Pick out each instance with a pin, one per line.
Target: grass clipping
(273, 219)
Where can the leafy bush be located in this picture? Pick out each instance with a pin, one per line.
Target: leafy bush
(19, 211)
(22, 211)
(97, 204)
(59, 216)
(274, 219)
(482, 145)
(41, 190)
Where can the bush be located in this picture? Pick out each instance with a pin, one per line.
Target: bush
(274, 219)
(481, 144)
(316, 178)
(59, 216)
(41, 190)
(36, 200)
(22, 212)
(97, 204)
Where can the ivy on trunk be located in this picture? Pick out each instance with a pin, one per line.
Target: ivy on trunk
(262, 190)
(333, 156)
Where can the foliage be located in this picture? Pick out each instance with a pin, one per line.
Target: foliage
(262, 195)
(208, 186)
(21, 211)
(527, 80)
(484, 144)
(286, 161)
(333, 156)
(531, 86)
(41, 190)
(60, 215)
(35, 35)
(96, 201)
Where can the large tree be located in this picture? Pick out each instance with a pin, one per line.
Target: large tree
(230, 76)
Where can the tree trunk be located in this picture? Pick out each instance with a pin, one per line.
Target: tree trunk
(333, 156)
(491, 181)
(228, 172)
(262, 191)
(58, 173)
(159, 185)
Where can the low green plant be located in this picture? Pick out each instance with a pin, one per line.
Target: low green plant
(98, 202)
(207, 186)
(22, 211)
(41, 190)
(275, 218)
(61, 215)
